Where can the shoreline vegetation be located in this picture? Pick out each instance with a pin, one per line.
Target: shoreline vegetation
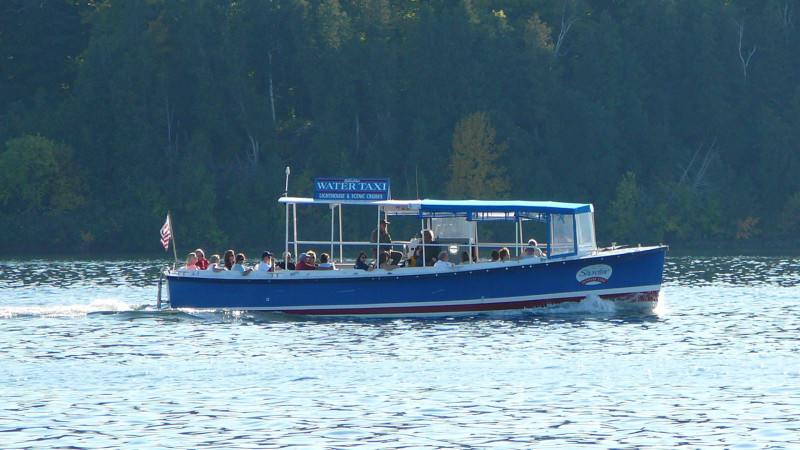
(679, 121)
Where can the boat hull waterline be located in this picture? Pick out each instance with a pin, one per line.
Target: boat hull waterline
(627, 275)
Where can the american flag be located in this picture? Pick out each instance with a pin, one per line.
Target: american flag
(166, 233)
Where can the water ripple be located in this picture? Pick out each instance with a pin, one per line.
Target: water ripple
(738, 271)
(87, 362)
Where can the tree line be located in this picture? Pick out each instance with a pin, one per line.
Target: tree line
(678, 119)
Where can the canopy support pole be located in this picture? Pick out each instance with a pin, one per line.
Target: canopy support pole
(341, 239)
(378, 239)
(333, 229)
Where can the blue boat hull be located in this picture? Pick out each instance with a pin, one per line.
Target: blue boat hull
(630, 275)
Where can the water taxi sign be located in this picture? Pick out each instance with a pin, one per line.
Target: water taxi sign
(351, 189)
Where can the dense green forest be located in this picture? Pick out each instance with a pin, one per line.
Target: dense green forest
(678, 119)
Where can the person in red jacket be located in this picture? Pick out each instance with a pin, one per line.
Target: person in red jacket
(202, 262)
(306, 261)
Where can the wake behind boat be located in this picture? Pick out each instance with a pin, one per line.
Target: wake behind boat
(570, 268)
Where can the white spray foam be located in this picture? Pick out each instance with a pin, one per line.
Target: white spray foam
(592, 304)
(72, 310)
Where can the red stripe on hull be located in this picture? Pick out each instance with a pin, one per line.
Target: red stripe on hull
(638, 297)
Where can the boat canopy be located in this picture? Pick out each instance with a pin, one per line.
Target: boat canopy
(472, 210)
(570, 226)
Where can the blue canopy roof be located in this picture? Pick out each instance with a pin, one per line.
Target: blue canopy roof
(472, 209)
(498, 210)
(504, 206)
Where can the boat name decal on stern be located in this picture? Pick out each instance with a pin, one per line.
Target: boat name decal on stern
(595, 274)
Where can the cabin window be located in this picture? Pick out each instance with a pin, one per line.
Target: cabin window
(453, 229)
(586, 236)
(562, 231)
(456, 232)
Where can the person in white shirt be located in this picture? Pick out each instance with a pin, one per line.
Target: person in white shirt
(266, 264)
(325, 262)
(213, 265)
(444, 260)
(239, 266)
(532, 250)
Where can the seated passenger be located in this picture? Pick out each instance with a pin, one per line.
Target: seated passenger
(532, 250)
(311, 259)
(213, 264)
(384, 261)
(505, 254)
(191, 261)
(495, 256)
(229, 259)
(286, 263)
(306, 261)
(464, 258)
(444, 260)
(325, 262)
(238, 266)
(429, 248)
(361, 262)
(202, 262)
(266, 263)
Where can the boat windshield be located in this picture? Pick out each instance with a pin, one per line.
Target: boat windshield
(572, 233)
(562, 234)
(586, 236)
(453, 228)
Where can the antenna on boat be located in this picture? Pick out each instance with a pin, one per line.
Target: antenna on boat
(416, 179)
(286, 187)
(286, 241)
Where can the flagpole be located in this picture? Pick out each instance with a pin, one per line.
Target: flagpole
(172, 234)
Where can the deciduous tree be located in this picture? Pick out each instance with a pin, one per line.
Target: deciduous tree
(37, 173)
(473, 169)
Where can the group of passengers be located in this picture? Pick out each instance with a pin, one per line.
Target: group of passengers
(236, 262)
(532, 250)
(308, 261)
(428, 248)
(387, 258)
(230, 261)
(429, 251)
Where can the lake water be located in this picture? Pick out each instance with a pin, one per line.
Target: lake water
(86, 362)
